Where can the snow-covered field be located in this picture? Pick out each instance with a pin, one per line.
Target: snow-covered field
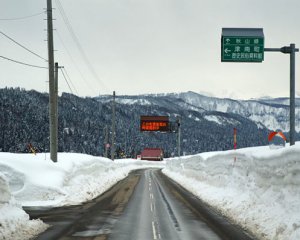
(260, 190)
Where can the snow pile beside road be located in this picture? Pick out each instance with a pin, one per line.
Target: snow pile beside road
(35, 180)
(260, 190)
(14, 222)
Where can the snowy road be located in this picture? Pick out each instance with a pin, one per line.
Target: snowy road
(146, 205)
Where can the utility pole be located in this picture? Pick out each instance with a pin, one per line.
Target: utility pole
(178, 136)
(113, 127)
(52, 109)
(105, 141)
(3, 120)
(55, 130)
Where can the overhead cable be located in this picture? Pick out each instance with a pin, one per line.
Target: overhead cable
(70, 80)
(74, 62)
(22, 63)
(20, 18)
(75, 39)
(66, 80)
(19, 44)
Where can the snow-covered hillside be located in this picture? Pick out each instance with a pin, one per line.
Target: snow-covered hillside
(258, 188)
(272, 113)
(83, 122)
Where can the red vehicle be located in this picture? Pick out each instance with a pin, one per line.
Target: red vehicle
(152, 154)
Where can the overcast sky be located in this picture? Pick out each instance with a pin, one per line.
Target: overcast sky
(150, 46)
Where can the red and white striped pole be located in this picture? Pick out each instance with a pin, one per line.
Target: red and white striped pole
(234, 141)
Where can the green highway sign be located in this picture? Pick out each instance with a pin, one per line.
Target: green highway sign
(242, 45)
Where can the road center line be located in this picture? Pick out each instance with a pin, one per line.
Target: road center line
(154, 231)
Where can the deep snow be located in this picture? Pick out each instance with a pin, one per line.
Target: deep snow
(34, 180)
(14, 222)
(258, 188)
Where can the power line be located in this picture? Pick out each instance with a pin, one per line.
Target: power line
(70, 80)
(74, 62)
(19, 62)
(19, 44)
(75, 39)
(20, 18)
(66, 80)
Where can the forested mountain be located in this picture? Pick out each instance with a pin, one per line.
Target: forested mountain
(207, 123)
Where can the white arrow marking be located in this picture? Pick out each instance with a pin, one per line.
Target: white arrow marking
(227, 50)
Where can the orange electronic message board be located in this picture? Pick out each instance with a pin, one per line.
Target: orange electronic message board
(154, 123)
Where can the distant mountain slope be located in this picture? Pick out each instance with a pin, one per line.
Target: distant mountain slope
(207, 122)
(273, 113)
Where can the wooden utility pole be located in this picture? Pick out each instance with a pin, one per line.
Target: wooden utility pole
(105, 141)
(52, 101)
(113, 127)
(179, 135)
(55, 125)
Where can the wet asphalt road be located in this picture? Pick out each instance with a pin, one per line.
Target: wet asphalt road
(145, 205)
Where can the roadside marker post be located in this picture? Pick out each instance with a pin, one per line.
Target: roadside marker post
(234, 141)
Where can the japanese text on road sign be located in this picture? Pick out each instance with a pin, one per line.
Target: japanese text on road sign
(242, 48)
(154, 123)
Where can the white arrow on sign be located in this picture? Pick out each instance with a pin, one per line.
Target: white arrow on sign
(227, 50)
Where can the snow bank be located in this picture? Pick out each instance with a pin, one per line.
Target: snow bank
(35, 180)
(260, 190)
(14, 222)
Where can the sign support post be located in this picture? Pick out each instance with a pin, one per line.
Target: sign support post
(292, 51)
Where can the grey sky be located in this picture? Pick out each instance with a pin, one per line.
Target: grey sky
(151, 46)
